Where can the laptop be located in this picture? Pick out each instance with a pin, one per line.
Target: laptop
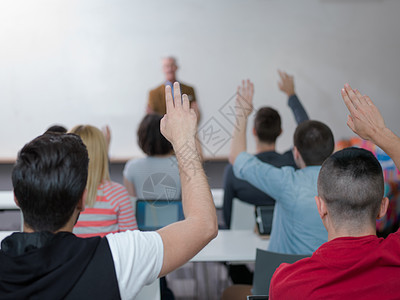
(152, 215)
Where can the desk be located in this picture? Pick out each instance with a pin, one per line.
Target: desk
(232, 246)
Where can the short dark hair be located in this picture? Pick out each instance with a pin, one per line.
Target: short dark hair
(351, 184)
(267, 124)
(315, 142)
(57, 128)
(49, 178)
(150, 139)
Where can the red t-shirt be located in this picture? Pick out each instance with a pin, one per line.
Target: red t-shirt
(345, 268)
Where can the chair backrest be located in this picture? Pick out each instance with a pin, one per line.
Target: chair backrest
(266, 264)
(7, 200)
(10, 214)
(264, 217)
(243, 217)
(155, 214)
(150, 292)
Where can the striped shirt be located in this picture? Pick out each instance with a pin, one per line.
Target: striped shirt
(112, 212)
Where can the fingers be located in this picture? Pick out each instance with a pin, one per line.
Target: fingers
(185, 102)
(162, 124)
(350, 123)
(346, 98)
(250, 87)
(368, 100)
(177, 94)
(352, 95)
(169, 102)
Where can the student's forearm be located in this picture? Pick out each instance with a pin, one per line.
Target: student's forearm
(182, 240)
(196, 195)
(297, 108)
(388, 142)
(239, 141)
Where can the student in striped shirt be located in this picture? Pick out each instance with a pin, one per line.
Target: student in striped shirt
(108, 208)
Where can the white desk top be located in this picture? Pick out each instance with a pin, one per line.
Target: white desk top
(232, 246)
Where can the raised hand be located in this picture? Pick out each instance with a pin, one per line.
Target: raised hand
(107, 135)
(286, 84)
(180, 122)
(244, 99)
(365, 118)
(366, 121)
(244, 107)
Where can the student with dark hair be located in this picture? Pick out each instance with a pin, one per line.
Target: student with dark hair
(266, 129)
(54, 156)
(47, 261)
(354, 263)
(296, 226)
(56, 128)
(157, 175)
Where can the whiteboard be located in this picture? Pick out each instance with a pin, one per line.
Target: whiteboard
(94, 62)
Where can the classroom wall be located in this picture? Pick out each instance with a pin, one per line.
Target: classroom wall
(94, 61)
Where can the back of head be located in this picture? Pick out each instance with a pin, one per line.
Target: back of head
(351, 184)
(150, 139)
(49, 178)
(314, 140)
(267, 125)
(56, 128)
(96, 146)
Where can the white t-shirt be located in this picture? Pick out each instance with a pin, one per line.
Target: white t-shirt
(138, 258)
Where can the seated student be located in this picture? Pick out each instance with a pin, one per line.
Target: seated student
(47, 261)
(296, 226)
(267, 128)
(108, 208)
(159, 169)
(354, 263)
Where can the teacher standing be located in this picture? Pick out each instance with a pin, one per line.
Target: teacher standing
(156, 103)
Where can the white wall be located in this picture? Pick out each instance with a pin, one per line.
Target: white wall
(94, 61)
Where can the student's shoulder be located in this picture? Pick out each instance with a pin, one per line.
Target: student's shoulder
(112, 188)
(136, 162)
(276, 159)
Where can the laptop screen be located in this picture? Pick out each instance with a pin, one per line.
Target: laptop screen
(154, 214)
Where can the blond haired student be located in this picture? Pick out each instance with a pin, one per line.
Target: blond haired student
(107, 207)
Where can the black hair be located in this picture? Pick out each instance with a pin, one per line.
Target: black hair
(150, 139)
(314, 140)
(351, 184)
(49, 178)
(56, 128)
(267, 124)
